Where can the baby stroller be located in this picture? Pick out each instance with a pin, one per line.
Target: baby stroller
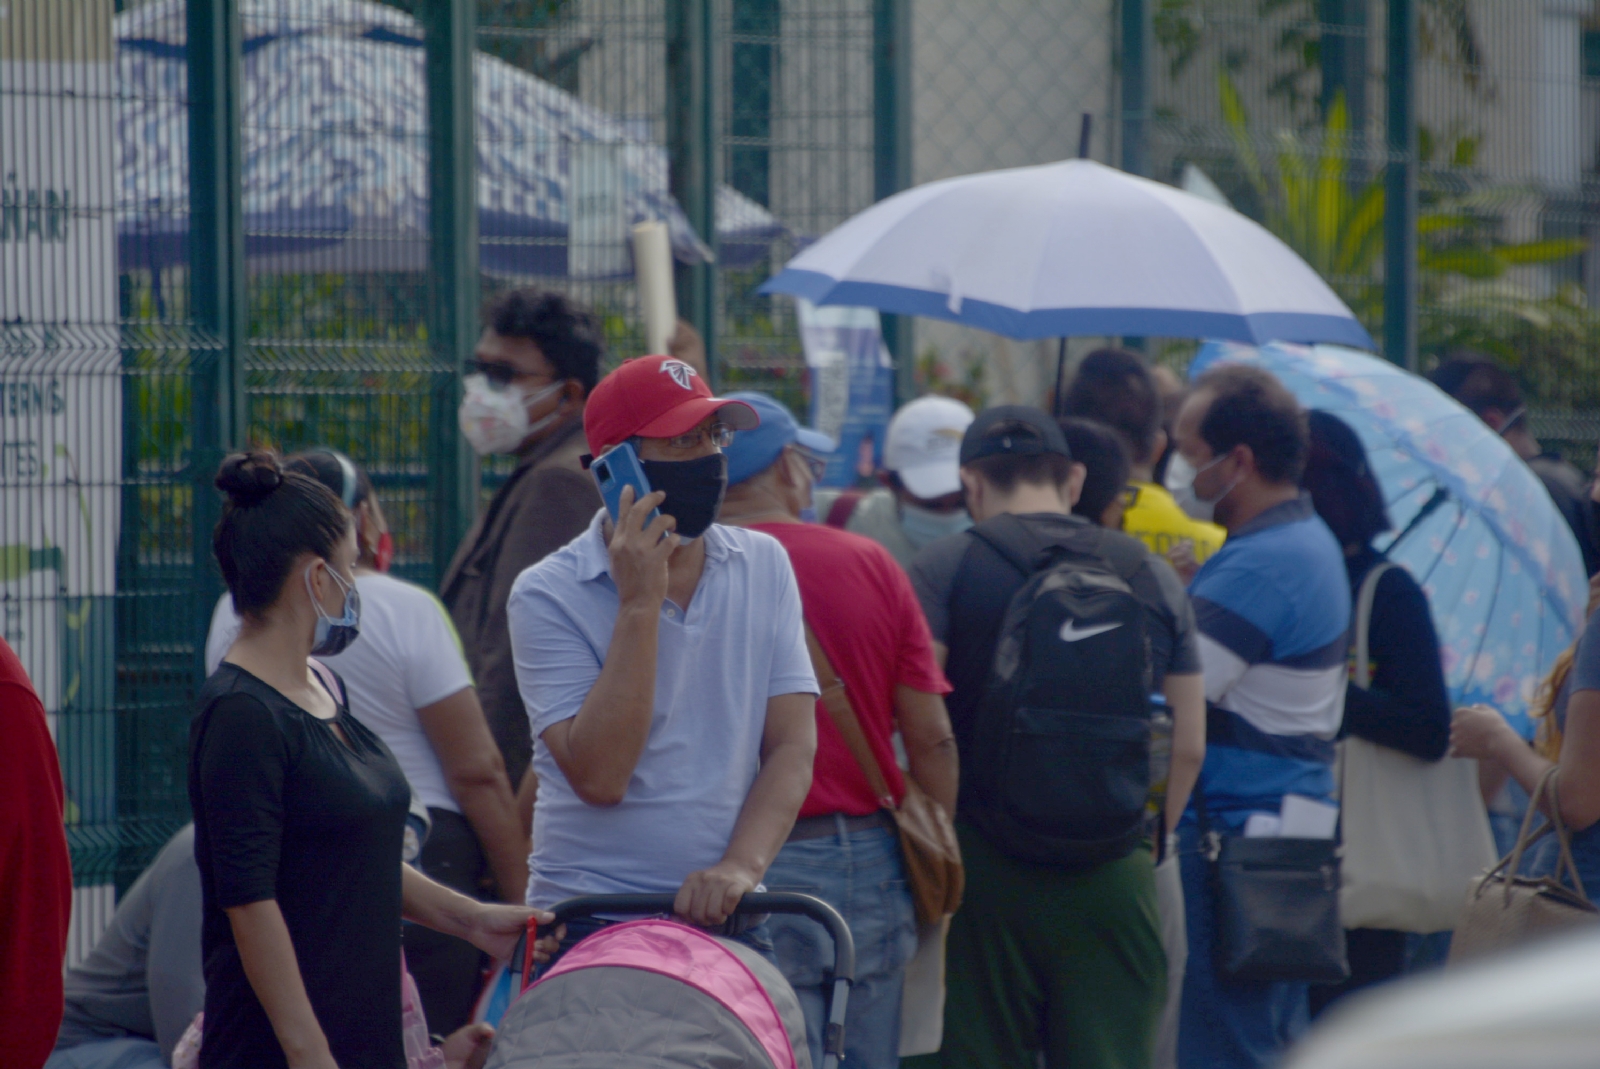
(656, 994)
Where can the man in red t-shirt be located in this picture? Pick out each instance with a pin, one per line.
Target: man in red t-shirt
(844, 847)
(35, 875)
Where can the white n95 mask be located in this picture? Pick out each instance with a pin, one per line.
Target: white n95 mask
(496, 421)
(1180, 483)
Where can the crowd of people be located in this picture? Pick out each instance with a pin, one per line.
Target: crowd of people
(1101, 640)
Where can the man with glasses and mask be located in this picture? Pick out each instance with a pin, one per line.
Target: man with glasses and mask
(1494, 397)
(1273, 609)
(524, 395)
(845, 847)
(920, 501)
(664, 668)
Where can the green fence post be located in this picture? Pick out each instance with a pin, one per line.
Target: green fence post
(1136, 32)
(451, 29)
(217, 295)
(891, 151)
(1400, 189)
(691, 155)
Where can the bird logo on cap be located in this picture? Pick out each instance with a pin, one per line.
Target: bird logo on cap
(681, 373)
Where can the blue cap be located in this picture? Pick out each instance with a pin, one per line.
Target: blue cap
(756, 450)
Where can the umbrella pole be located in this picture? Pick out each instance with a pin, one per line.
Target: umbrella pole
(1061, 374)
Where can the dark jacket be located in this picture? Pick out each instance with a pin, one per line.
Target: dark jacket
(547, 502)
(1407, 707)
(1570, 492)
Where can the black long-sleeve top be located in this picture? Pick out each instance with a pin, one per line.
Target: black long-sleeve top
(1407, 707)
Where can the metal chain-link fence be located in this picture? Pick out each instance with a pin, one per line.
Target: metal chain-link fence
(146, 329)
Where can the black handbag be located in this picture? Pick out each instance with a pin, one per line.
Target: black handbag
(1277, 908)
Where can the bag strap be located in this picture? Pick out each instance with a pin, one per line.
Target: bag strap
(843, 507)
(1563, 836)
(1364, 600)
(330, 681)
(837, 702)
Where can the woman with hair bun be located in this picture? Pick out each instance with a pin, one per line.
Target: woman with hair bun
(300, 809)
(1406, 706)
(409, 682)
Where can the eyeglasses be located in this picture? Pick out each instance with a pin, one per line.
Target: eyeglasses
(499, 375)
(816, 465)
(720, 435)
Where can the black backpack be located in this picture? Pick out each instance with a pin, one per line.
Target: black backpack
(1061, 739)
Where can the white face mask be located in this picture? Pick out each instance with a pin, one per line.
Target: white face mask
(1180, 483)
(923, 526)
(496, 421)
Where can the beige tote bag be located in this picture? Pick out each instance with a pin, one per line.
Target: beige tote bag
(1416, 833)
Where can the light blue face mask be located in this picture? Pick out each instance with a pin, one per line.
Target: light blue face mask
(808, 514)
(923, 526)
(334, 636)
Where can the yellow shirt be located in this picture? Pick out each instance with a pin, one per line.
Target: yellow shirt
(1154, 518)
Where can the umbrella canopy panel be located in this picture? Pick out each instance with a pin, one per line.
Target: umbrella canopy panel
(336, 164)
(1475, 526)
(1071, 248)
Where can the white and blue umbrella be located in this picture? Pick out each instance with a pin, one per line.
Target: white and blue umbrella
(1071, 248)
(336, 152)
(1472, 523)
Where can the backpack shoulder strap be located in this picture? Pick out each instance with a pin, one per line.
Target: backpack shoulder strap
(843, 507)
(1010, 538)
(1021, 547)
(1363, 621)
(1125, 554)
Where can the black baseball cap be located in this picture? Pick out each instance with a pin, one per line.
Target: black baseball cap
(1012, 430)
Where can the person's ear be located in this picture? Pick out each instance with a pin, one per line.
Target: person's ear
(1495, 418)
(1072, 489)
(1158, 447)
(972, 483)
(786, 471)
(571, 393)
(1246, 459)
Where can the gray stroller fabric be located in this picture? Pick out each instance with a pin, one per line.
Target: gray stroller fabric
(611, 1017)
(782, 995)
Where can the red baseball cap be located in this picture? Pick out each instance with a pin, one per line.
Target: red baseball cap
(655, 397)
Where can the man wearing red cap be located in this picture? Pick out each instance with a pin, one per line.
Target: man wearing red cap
(664, 668)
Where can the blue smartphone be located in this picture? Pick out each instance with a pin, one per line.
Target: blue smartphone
(617, 469)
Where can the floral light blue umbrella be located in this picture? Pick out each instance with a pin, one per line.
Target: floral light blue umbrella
(1472, 523)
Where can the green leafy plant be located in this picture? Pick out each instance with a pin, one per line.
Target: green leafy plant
(1310, 200)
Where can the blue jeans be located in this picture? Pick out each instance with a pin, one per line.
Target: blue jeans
(124, 1052)
(1223, 1023)
(860, 874)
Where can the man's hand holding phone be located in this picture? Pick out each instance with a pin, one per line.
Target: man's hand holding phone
(639, 550)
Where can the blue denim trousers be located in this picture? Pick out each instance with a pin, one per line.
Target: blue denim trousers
(861, 875)
(1224, 1023)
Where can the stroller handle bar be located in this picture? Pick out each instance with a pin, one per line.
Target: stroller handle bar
(844, 946)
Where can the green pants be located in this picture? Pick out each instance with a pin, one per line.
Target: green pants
(1041, 960)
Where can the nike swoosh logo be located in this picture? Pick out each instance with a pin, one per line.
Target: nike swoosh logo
(1071, 632)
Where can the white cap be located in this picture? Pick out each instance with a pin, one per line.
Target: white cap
(923, 446)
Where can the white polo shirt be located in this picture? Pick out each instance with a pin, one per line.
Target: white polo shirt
(741, 643)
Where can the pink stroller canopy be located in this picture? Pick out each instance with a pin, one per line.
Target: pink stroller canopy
(639, 1013)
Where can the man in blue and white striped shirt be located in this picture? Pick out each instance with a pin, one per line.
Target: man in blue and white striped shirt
(1273, 608)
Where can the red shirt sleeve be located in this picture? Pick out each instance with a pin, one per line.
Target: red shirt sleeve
(35, 873)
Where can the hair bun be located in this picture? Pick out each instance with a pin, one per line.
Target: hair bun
(247, 478)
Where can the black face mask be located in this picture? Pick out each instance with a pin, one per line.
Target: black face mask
(694, 490)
